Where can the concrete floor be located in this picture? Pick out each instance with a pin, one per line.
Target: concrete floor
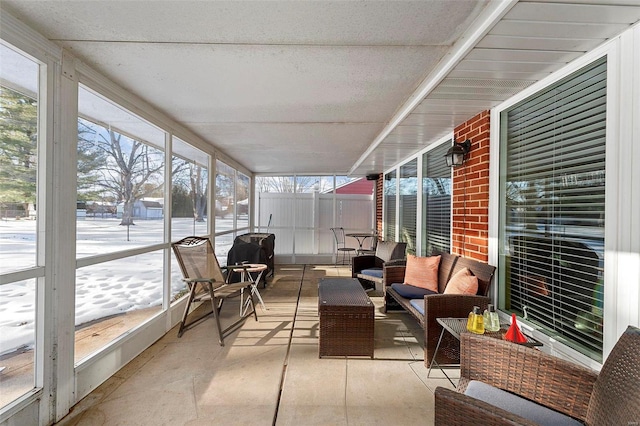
(269, 373)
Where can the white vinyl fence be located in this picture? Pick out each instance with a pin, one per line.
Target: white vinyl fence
(302, 222)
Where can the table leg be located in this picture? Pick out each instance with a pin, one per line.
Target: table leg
(242, 278)
(433, 360)
(254, 290)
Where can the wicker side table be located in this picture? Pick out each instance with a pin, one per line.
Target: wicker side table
(346, 318)
(457, 326)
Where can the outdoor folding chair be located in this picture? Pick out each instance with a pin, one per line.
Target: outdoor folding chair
(206, 281)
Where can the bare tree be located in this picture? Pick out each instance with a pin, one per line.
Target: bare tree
(132, 169)
(284, 184)
(199, 189)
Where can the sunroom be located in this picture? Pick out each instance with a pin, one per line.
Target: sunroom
(124, 125)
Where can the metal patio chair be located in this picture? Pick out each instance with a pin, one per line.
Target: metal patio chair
(206, 282)
(372, 249)
(341, 247)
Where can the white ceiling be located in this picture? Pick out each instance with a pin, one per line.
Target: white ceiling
(325, 86)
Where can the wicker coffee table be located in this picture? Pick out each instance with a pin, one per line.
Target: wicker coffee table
(346, 318)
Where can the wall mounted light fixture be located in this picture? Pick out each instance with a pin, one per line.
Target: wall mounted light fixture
(457, 154)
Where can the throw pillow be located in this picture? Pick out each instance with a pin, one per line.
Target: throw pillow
(462, 282)
(422, 272)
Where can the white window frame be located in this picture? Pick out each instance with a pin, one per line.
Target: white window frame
(622, 259)
(419, 223)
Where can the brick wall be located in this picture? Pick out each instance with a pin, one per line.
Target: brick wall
(471, 191)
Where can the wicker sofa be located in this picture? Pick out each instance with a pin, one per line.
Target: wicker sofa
(610, 397)
(441, 305)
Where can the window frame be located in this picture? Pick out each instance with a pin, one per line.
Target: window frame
(423, 236)
(38, 271)
(419, 156)
(554, 267)
(616, 168)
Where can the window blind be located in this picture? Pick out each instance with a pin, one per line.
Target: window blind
(436, 201)
(552, 187)
(409, 204)
(390, 206)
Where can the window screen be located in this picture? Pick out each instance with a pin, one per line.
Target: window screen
(436, 201)
(552, 176)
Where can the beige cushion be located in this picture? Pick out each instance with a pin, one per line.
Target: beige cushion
(422, 272)
(463, 282)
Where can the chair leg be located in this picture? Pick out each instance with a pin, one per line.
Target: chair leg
(216, 317)
(192, 294)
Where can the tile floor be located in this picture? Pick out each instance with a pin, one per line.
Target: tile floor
(269, 373)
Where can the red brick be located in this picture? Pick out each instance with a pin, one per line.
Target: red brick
(473, 179)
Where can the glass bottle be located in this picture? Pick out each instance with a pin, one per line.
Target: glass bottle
(470, 320)
(477, 323)
(491, 319)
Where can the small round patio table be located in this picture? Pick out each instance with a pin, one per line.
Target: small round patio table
(361, 237)
(246, 276)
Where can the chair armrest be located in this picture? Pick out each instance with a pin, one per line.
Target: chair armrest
(199, 280)
(453, 408)
(446, 306)
(546, 379)
(393, 274)
(358, 263)
(452, 305)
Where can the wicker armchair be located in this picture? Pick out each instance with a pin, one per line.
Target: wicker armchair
(370, 267)
(611, 397)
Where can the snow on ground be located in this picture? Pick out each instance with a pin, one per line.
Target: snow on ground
(102, 290)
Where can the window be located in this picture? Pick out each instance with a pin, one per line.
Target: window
(19, 268)
(436, 201)
(120, 216)
(224, 209)
(189, 191)
(189, 197)
(120, 178)
(390, 206)
(409, 204)
(551, 234)
(243, 201)
(232, 207)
